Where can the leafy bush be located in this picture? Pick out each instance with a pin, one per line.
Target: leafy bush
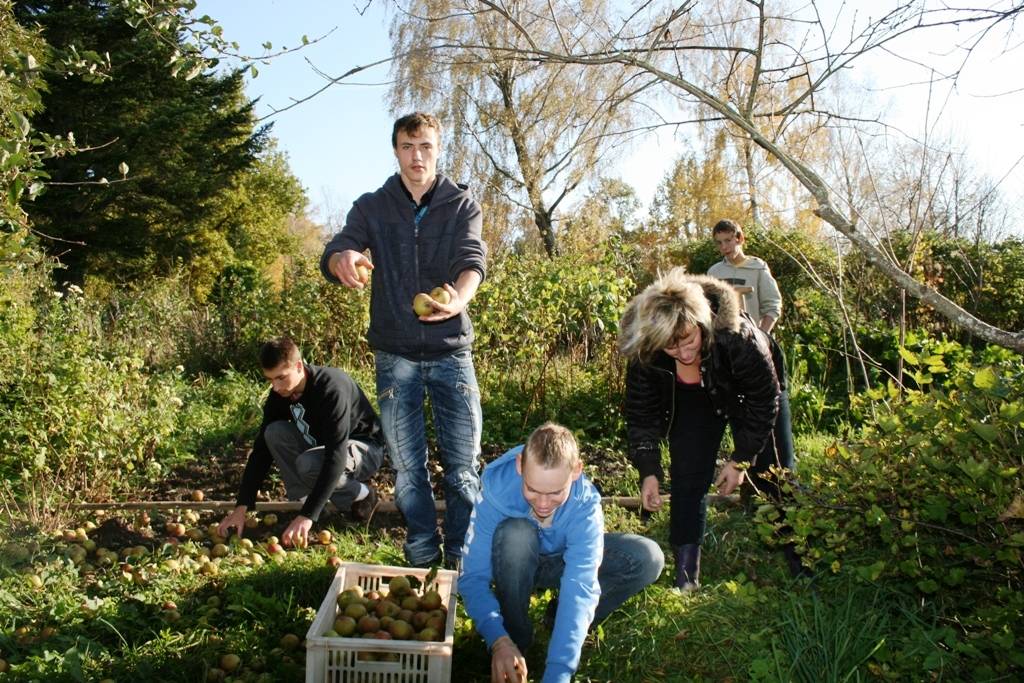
(926, 500)
(78, 420)
(545, 344)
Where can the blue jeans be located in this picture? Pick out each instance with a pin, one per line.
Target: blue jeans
(402, 386)
(778, 452)
(630, 564)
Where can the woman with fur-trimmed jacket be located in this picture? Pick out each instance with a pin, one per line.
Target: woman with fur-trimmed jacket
(697, 362)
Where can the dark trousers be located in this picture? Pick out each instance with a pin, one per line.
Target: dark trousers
(693, 474)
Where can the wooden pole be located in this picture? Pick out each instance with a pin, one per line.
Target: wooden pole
(384, 506)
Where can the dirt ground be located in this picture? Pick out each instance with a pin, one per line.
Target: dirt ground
(218, 479)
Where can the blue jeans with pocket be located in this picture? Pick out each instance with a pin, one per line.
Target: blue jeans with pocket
(630, 564)
(450, 382)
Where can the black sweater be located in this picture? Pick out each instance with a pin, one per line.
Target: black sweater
(411, 257)
(335, 410)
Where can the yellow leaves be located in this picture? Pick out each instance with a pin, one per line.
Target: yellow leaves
(1014, 511)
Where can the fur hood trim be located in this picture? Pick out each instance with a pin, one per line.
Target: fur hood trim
(724, 301)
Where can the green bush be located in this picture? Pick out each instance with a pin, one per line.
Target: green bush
(925, 501)
(545, 345)
(78, 420)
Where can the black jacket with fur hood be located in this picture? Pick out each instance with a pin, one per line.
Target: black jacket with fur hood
(738, 371)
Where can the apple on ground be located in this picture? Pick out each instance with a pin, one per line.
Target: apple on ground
(230, 662)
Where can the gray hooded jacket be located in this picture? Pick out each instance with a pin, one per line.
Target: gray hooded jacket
(412, 256)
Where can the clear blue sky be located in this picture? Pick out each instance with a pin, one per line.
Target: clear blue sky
(339, 142)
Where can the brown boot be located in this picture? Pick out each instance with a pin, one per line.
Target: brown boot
(362, 510)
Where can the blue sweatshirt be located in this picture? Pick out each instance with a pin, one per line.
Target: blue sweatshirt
(576, 531)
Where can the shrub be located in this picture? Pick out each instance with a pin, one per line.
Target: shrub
(545, 344)
(78, 420)
(926, 501)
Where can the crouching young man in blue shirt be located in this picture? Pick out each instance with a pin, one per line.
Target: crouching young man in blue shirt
(538, 524)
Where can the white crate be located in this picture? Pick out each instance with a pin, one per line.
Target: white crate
(334, 659)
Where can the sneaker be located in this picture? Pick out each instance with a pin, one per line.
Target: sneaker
(362, 510)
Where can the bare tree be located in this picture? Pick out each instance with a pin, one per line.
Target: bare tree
(534, 131)
(655, 39)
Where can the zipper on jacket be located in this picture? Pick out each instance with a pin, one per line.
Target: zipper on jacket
(418, 212)
(672, 390)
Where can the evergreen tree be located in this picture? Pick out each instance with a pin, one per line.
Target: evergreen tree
(183, 141)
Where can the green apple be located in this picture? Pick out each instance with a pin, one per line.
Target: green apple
(355, 610)
(230, 662)
(399, 585)
(431, 600)
(422, 304)
(440, 295)
(402, 630)
(345, 626)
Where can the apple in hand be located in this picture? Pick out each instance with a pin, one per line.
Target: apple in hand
(440, 295)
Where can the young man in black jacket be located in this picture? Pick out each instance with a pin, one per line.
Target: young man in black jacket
(320, 429)
(423, 232)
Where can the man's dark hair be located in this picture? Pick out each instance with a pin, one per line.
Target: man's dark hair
(727, 225)
(277, 351)
(410, 124)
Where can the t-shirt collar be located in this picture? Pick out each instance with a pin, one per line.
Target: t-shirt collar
(427, 196)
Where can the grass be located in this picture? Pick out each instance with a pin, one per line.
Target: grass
(749, 621)
(62, 621)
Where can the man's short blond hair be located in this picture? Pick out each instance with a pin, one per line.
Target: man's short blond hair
(552, 445)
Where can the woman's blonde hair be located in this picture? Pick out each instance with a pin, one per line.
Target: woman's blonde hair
(656, 317)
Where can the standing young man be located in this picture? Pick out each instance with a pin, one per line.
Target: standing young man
(748, 274)
(538, 524)
(320, 429)
(762, 300)
(423, 232)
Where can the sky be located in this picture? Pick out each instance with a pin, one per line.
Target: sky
(338, 143)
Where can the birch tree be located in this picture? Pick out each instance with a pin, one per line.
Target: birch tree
(535, 131)
(656, 40)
